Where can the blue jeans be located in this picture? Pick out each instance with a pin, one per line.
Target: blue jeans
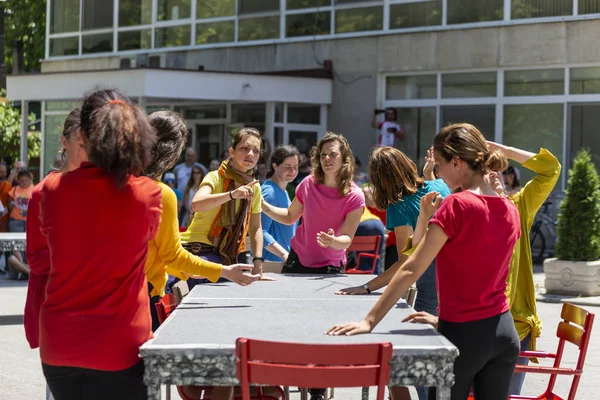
(516, 383)
(372, 227)
(427, 292)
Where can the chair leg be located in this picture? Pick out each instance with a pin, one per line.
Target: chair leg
(286, 391)
(168, 395)
(365, 393)
(331, 393)
(303, 394)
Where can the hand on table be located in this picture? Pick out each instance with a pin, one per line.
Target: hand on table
(326, 239)
(422, 317)
(351, 328)
(236, 273)
(352, 291)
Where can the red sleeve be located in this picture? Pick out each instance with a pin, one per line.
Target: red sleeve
(38, 258)
(448, 216)
(379, 125)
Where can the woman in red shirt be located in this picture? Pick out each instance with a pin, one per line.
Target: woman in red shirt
(472, 235)
(98, 220)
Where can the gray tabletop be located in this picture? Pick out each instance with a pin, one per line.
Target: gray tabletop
(12, 241)
(196, 344)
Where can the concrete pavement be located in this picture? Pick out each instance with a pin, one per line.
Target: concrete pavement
(21, 374)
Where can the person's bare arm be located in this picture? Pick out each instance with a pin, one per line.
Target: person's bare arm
(402, 235)
(205, 200)
(285, 216)
(278, 250)
(412, 269)
(512, 153)
(344, 240)
(256, 241)
(429, 203)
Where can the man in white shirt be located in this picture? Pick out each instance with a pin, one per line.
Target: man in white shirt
(389, 130)
(183, 171)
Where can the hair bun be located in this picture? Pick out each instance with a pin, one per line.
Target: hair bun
(496, 161)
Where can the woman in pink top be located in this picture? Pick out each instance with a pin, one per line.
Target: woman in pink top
(331, 206)
(472, 234)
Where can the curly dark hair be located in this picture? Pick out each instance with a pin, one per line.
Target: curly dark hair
(171, 133)
(117, 134)
(279, 155)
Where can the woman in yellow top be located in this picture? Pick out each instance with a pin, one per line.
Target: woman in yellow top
(520, 288)
(227, 207)
(166, 250)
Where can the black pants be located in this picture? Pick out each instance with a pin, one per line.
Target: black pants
(153, 312)
(71, 383)
(294, 266)
(489, 349)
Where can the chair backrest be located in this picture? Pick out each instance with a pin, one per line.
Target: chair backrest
(576, 328)
(180, 289)
(165, 306)
(365, 243)
(312, 365)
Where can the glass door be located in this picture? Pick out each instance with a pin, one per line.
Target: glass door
(583, 131)
(210, 142)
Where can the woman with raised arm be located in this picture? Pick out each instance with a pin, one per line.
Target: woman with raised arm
(472, 234)
(227, 208)
(520, 289)
(98, 220)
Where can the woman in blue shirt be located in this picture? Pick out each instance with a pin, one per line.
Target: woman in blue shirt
(282, 170)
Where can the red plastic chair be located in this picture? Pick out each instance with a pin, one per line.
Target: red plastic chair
(362, 244)
(576, 328)
(312, 365)
(182, 229)
(165, 306)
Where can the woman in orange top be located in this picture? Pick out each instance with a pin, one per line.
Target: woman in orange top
(5, 188)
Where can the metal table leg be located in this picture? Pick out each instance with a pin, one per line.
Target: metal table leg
(443, 393)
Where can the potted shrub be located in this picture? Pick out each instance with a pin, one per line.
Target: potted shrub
(576, 268)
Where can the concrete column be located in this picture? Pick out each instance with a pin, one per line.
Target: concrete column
(24, 130)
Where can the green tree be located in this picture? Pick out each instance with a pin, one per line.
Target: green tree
(578, 227)
(25, 20)
(10, 131)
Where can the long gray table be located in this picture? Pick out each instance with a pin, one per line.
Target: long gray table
(196, 345)
(12, 241)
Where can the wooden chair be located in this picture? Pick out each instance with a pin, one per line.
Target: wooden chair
(312, 365)
(361, 245)
(575, 328)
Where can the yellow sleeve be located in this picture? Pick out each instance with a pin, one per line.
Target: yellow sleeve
(256, 207)
(214, 180)
(409, 249)
(169, 246)
(536, 191)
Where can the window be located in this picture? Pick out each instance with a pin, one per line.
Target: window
(66, 106)
(64, 16)
(258, 28)
(585, 80)
(541, 8)
(296, 4)
(249, 114)
(483, 117)
(101, 43)
(422, 13)
(173, 36)
(584, 131)
(303, 114)
(535, 82)
(215, 32)
(477, 84)
(465, 11)
(218, 111)
(97, 14)
(527, 126)
(304, 141)
(278, 135)
(135, 40)
(419, 127)
(214, 8)
(257, 6)
(64, 46)
(135, 12)
(173, 9)
(589, 6)
(308, 24)
(52, 132)
(358, 19)
(278, 112)
(411, 87)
